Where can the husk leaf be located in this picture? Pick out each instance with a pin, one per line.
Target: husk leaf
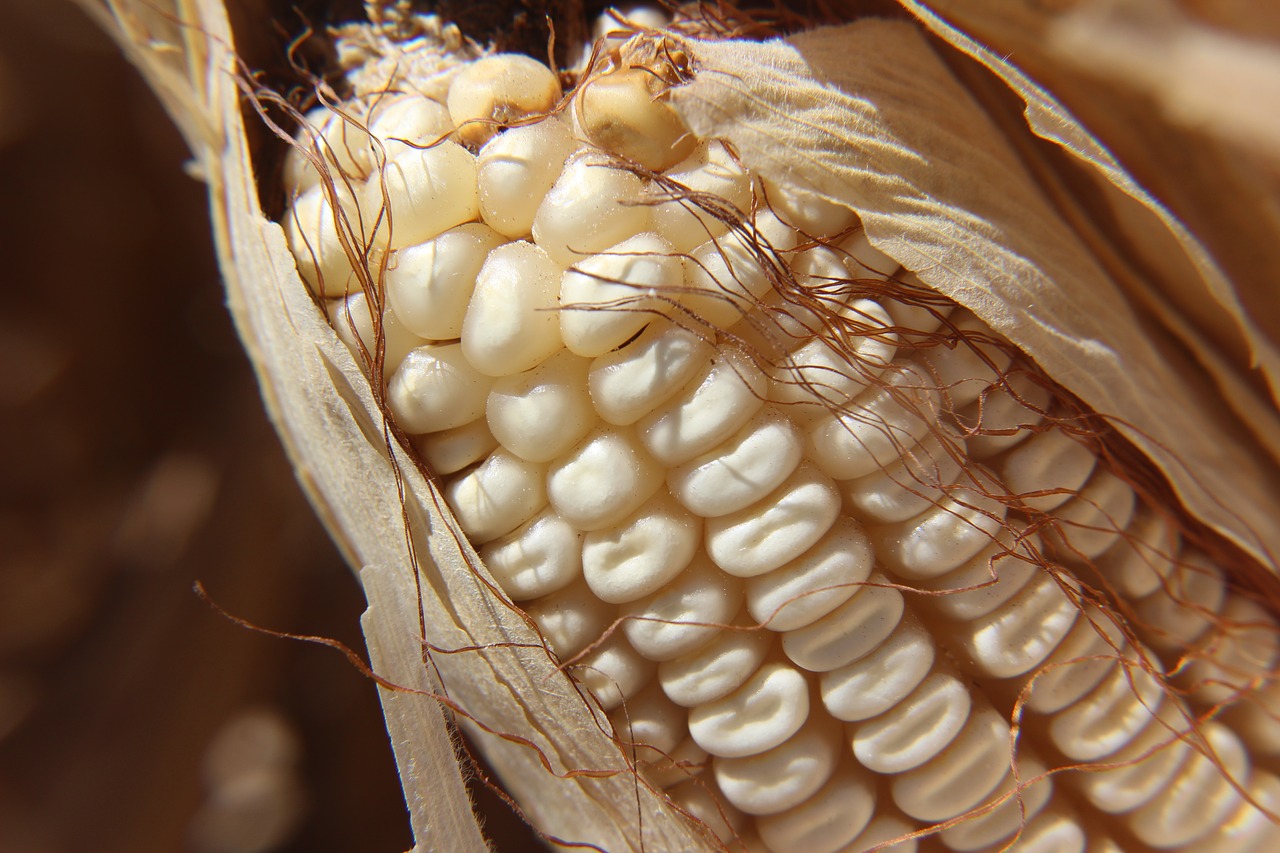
(1210, 238)
(869, 116)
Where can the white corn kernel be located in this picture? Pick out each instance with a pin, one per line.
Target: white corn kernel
(435, 388)
(700, 799)
(717, 669)
(1199, 797)
(806, 212)
(429, 285)
(776, 529)
(497, 496)
(341, 141)
(421, 194)
(706, 411)
(1137, 564)
(542, 413)
(570, 619)
(966, 369)
(877, 426)
(909, 486)
(603, 479)
(1238, 654)
(784, 776)
(710, 170)
(942, 537)
(316, 239)
(1081, 660)
(1183, 610)
(1252, 827)
(989, 579)
(592, 206)
(607, 298)
(515, 170)
(353, 321)
(1018, 636)
(511, 322)
(403, 123)
(1109, 716)
(815, 583)
(631, 382)
(864, 262)
(539, 558)
(650, 723)
(729, 276)
(1004, 416)
(684, 615)
(1094, 520)
(769, 707)
(825, 371)
(452, 450)
(747, 466)
(1048, 469)
(877, 682)
(962, 776)
(851, 631)
(641, 553)
(826, 822)
(916, 729)
(1056, 830)
(614, 672)
(884, 829)
(997, 826)
(1143, 767)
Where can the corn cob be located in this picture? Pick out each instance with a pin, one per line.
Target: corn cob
(845, 535)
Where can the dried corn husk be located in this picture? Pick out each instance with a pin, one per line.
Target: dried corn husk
(946, 184)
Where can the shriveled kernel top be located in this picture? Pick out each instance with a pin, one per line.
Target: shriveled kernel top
(622, 112)
(497, 91)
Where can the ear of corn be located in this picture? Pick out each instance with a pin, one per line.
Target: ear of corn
(842, 542)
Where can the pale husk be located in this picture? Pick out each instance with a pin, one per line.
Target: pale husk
(868, 115)
(967, 216)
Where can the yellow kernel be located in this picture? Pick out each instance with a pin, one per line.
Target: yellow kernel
(621, 113)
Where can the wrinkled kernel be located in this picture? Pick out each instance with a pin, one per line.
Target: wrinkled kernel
(541, 557)
(621, 112)
(602, 480)
(685, 614)
(784, 776)
(765, 711)
(499, 90)
(497, 496)
(642, 552)
(542, 413)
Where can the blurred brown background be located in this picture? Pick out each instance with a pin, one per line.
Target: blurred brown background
(136, 459)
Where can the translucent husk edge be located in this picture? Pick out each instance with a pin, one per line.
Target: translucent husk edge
(374, 500)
